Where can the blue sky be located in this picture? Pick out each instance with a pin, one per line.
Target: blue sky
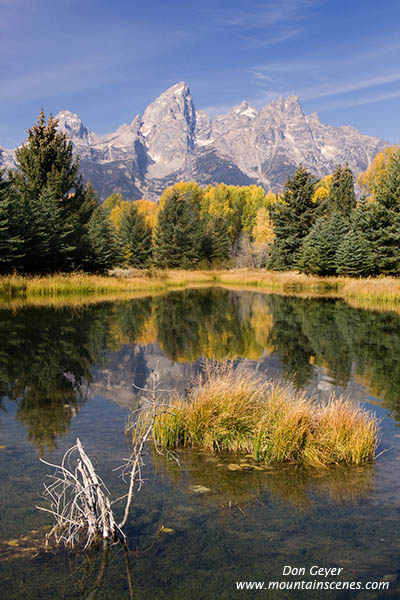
(108, 60)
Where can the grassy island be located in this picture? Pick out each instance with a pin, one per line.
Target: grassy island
(237, 411)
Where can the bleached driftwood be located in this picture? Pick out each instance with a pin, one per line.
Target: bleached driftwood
(78, 503)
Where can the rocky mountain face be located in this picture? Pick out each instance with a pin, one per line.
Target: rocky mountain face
(7, 160)
(173, 142)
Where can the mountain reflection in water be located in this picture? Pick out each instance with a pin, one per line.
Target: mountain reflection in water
(49, 357)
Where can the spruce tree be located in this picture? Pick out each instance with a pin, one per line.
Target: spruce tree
(54, 239)
(178, 234)
(380, 225)
(216, 244)
(292, 218)
(387, 193)
(135, 238)
(354, 256)
(10, 241)
(318, 252)
(341, 198)
(103, 244)
(45, 162)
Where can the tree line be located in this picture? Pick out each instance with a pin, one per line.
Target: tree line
(331, 233)
(50, 222)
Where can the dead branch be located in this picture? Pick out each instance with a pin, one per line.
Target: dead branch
(82, 511)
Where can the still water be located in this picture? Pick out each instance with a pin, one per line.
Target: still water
(68, 372)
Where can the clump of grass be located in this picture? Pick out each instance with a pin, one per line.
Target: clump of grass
(236, 411)
(219, 415)
(344, 433)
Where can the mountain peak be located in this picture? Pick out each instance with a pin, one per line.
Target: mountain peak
(245, 109)
(71, 124)
(178, 89)
(287, 103)
(168, 126)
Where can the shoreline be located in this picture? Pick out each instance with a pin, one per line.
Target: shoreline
(380, 293)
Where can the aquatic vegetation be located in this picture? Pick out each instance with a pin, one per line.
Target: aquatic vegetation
(236, 411)
(345, 433)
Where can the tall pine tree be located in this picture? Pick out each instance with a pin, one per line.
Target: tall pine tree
(292, 218)
(10, 241)
(135, 238)
(341, 198)
(318, 252)
(178, 234)
(45, 162)
(216, 245)
(104, 248)
(354, 255)
(379, 221)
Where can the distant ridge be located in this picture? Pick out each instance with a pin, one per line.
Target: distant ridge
(173, 141)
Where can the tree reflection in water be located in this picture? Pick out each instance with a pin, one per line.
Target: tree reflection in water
(46, 354)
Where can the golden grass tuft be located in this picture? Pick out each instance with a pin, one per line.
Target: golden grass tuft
(344, 433)
(236, 411)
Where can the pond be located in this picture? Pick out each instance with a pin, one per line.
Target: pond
(196, 528)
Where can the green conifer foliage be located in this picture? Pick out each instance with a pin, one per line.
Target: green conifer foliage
(355, 255)
(292, 218)
(46, 161)
(388, 191)
(178, 234)
(45, 165)
(216, 244)
(341, 197)
(104, 246)
(379, 222)
(384, 229)
(135, 238)
(51, 239)
(10, 241)
(220, 243)
(318, 252)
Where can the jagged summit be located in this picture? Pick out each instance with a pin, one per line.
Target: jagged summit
(71, 124)
(173, 141)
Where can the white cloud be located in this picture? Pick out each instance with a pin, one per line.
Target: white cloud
(349, 102)
(263, 14)
(347, 88)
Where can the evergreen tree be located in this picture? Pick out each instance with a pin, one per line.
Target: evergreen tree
(103, 244)
(216, 245)
(341, 198)
(318, 252)
(292, 218)
(178, 233)
(135, 238)
(53, 236)
(387, 193)
(354, 256)
(384, 221)
(380, 225)
(45, 162)
(10, 241)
